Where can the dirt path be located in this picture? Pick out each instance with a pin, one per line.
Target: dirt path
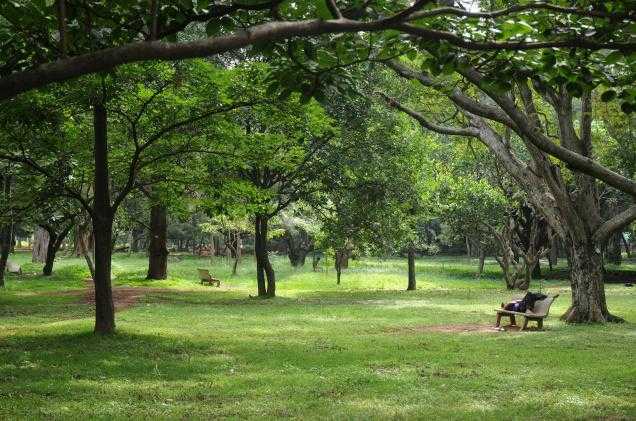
(454, 328)
(123, 297)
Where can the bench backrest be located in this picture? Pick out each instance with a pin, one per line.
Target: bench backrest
(542, 308)
(204, 274)
(13, 267)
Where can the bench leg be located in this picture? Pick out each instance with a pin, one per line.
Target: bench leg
(498, 320)
(540, 324)
(513, 321)
(525, 323)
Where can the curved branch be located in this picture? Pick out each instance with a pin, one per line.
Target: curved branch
(452, 131)
(455, 11)
(610, 226)
(463, 101)
(575, 160)
(456, 40)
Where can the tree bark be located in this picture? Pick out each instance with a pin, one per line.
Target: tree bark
(158, 250)
(411, 262)
(264, 270)
(51, 251)
(588, 290)
(613, 249)
(41, 243)
(6, 229)
(553, 257)
(102, 225)
(482, 260)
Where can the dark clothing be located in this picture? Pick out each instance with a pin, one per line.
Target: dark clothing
(526, 303)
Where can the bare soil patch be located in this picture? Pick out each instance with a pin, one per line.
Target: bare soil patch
(123, 297)
(454, 328)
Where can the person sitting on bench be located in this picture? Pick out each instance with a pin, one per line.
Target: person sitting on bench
(527, 302)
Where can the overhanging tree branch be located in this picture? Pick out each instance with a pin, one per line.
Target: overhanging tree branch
(610, 226)
(110, 58)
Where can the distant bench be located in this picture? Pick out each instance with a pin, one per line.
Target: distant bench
(207, 279)
(541, 310)
(14, 268)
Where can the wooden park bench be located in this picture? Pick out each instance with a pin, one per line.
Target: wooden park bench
(14, 268)
(207, 279)
(541, 310)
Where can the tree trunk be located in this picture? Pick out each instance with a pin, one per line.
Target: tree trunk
(468, 248)
(411, 260)
(553, 257)
(342, 262)
(84, 246)
(482, 260)
(315, 260)
(588, 290)
(264, 270)
(102, 226)
(6, 230)
(4, 256)
(536, 270)
(297, 248)
(613, 249)
(51, 251)
(158, 250)
(238, 251)
(41, 243)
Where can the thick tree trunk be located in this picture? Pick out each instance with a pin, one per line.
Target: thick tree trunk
(102, 226)
(588, 290)
(411, 260)
(41, 243)
(51, 251)
(158, 250)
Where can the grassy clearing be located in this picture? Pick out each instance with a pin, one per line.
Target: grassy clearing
(360, 350)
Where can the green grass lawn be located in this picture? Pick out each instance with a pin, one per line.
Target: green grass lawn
(364, 349)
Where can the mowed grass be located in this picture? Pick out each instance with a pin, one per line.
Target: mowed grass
(361, 350)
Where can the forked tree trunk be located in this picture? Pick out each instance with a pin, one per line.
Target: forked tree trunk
(102, 226)
(411, 259)
(264, 270)
(158, 250)
(55, 242)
